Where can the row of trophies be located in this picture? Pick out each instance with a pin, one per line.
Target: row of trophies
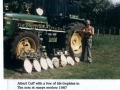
(27, 6)
(44, 63)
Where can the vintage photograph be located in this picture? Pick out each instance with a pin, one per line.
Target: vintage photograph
(61, 39)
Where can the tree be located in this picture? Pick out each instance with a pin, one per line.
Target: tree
(95, 10)
(114, 14)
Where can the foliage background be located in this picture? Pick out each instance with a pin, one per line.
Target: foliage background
(100, 12)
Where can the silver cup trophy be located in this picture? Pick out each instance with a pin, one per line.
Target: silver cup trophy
(27, 6)
(6, 5)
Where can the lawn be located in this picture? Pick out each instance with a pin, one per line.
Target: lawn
(106, 64)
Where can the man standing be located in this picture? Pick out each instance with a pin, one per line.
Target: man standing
(87, 41)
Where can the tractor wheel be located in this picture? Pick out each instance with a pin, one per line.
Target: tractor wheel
(74, 39)
(24, 40)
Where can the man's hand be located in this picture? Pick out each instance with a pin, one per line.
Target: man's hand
(85, 32)
(89, 33)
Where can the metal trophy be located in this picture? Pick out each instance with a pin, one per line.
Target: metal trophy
(27, 6)
(6, 6)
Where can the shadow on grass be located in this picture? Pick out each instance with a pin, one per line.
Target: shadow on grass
(12, 64)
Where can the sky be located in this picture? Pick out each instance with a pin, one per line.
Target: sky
(115, 1)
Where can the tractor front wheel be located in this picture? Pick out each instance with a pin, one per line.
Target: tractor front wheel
(24, 41)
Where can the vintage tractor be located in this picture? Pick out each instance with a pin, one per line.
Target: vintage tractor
(47, 28)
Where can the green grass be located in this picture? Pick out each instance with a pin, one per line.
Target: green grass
(106, 64)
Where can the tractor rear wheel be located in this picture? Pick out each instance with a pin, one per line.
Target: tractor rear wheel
(74, 39)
